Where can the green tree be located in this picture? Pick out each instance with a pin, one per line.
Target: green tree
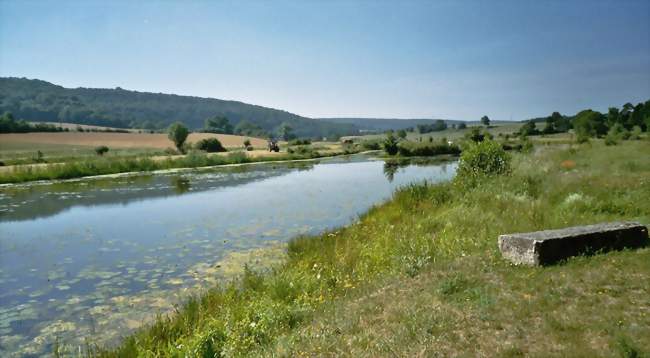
(529, 128)
(475, 135)
(286, 132)
(390, 144)
(218, 124)
(555, 123)
(485, 120)
(248, 128)
(401, 134)
(589, 123)
(462, 125)
(177, 133)
(613, 117)
(101, 150)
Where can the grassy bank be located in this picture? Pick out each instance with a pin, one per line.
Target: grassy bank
(420, 275)
(107, 165)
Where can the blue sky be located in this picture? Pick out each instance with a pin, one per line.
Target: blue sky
(399, 59)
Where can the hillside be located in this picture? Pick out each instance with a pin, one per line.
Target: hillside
(37, 100)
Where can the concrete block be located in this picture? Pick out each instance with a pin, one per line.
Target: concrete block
(550, 246)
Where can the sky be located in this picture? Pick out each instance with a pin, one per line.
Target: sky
(510, 60)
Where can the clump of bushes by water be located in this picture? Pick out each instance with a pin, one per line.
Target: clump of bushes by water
(423, 149)
(390, 144)
(481, 160)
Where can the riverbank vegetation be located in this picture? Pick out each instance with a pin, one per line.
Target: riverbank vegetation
(421, 274)
(100, 165)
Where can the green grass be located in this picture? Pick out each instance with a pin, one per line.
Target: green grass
(25, 153)
(113, 165)
(421, 275)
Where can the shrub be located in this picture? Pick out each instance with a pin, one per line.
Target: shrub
(476, 135)
(210, 145)
(303, 151)
(409, 149)
(247, 143)
(483, 159)
(512, 146)
(390, 144)
(636, 133)
(101, 150)
(374, 144)
(616, 133)
(611, 139)
(300, 142)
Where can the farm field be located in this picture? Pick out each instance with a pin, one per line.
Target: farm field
(16, 148)
(113, 140)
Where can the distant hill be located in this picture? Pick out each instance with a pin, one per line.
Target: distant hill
(37, 100)
(384, 124)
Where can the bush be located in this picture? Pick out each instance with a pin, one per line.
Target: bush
(636, 133)
(303, 151)
(210, 145)
(390, 144)
(101, 150)
(300, 142)
(410, 149)
(483, 159)
(611, 139)
(476, 135)
(374, 144)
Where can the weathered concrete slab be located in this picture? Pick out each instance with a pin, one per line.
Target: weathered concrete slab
(550, 246)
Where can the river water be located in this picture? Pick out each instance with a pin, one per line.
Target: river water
(97, 258)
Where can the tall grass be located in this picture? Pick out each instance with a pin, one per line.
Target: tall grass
(424, 228)
(111, 165)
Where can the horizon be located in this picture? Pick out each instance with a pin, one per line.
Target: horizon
(455, 61)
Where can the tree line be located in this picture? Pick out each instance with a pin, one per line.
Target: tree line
(8, 124)
(617, 122)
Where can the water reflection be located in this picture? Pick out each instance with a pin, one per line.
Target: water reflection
(392, 166)
(26, 202)
(181, 185)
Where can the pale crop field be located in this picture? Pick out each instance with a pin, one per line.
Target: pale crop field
(115, 140)
(18, 147)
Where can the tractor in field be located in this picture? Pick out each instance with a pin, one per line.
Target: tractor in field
(273, 146)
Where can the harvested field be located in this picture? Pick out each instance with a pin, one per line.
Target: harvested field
(117, 140)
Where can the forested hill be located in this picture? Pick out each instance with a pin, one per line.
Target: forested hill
(384, 124)
(36, 100)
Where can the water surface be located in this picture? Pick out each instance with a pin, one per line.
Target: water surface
(97, 258)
